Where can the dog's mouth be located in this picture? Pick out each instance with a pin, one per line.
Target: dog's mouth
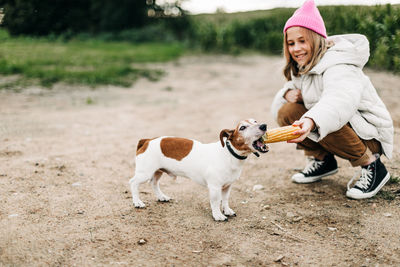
(260, 146)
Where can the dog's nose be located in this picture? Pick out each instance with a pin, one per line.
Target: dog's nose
(263, 127)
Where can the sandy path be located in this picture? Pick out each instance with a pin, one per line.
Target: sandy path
(66, 156)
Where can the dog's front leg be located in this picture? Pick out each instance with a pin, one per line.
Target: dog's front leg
(215, 201)
(225, 201)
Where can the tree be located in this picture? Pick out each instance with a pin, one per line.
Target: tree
(109, 15)
(42, 17)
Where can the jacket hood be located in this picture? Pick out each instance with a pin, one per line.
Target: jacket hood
(351, 49)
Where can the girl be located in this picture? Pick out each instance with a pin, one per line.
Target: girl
(334, 103)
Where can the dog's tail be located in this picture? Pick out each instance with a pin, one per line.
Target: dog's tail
(141, 143)
(142, 146)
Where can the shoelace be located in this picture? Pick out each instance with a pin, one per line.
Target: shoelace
(364, 181)
(312, 166)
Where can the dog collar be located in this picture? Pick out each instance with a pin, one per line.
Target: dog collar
(228, 145)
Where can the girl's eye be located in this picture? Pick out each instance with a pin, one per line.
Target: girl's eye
(290, 44)
(242, 128)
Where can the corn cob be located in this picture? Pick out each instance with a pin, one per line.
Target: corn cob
(281, 134)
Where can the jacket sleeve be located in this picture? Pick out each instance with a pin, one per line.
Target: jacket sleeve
(339, 101)
(279, 99)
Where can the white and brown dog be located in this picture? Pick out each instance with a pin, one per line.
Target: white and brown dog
(215, 165)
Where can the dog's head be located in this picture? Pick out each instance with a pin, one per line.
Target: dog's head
(246, 137)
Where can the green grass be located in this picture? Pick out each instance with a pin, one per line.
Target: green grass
(386, 195)
(394, 180)
(389, 193)
(226, 18)
(91, 62)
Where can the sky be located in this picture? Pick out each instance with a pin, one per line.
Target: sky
(210, 6)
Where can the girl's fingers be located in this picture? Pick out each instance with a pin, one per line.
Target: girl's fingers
(305, 127)
(298, 139)
(303, 135)
(296, 123)
(293, 96)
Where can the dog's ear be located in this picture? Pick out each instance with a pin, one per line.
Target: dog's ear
(225, 133)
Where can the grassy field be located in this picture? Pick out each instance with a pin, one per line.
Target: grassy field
(95, 61)
(92, 62)
(225, 18)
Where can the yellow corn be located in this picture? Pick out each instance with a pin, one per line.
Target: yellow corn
(281, 134)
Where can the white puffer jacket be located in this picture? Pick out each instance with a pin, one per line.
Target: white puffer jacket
(336, 92)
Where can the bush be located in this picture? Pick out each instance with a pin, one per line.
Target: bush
(205, 36)
(396, 56)
(262, 30)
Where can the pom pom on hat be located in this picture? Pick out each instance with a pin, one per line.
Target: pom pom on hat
(308, 17)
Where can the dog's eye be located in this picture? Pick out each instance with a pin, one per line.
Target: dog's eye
(242, 128)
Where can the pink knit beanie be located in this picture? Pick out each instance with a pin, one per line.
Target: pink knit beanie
(308, 17)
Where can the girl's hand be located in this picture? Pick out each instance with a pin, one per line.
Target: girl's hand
(306, 125)
(293, 96)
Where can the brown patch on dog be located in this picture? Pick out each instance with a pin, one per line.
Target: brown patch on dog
(238, 141)
(142, 146)
(234, 138)
(175, 147)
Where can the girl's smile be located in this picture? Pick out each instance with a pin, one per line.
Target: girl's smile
(298, 44)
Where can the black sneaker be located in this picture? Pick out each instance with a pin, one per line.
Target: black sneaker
(316, 169)
(373, 177)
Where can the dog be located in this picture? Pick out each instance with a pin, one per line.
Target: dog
(214, 165)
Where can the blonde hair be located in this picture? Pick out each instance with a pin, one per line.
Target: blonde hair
(319, 45)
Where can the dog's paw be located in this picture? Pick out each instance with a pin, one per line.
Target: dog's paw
(164, 198)
(229, 212)
(139, 204)
(220, 217)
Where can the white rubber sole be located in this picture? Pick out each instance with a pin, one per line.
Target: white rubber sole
(357, 194)
(307, 180)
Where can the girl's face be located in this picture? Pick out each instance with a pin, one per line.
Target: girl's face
(298, 45)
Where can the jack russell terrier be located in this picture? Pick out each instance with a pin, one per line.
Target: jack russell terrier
(215, 165)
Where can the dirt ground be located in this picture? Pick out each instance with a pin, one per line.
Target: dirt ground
(67, 154)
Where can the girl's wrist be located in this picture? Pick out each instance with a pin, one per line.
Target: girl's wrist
(313, 125)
